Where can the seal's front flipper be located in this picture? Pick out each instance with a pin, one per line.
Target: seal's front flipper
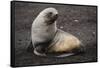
(30, 48)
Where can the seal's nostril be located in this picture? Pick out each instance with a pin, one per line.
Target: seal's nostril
(56, 15)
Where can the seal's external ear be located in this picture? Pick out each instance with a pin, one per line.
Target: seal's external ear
(30, 48)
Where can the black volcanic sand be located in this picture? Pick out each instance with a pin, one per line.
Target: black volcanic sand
(78, 20)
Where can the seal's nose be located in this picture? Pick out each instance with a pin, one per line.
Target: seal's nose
(56, 16)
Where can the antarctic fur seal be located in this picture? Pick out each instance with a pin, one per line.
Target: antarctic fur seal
(48, 40)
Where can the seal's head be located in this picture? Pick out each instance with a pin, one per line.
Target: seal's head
(50, 15)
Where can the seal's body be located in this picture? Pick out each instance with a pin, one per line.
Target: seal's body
(64, 42)
(48, 39)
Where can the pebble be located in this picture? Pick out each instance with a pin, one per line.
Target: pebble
(76, 20)
(93, 33)
(61, 27)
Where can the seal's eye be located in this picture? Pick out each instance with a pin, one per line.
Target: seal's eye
(50, 13)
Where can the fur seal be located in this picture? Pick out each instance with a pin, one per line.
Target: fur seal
(48, 40)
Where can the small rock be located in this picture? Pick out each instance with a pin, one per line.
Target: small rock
(61, 27)
(93, 33)
(76, 20)
(79, 33)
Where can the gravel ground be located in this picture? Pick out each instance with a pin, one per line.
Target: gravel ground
(80, 21)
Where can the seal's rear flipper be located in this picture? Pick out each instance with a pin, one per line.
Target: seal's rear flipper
(30, 48)
(82, 49)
